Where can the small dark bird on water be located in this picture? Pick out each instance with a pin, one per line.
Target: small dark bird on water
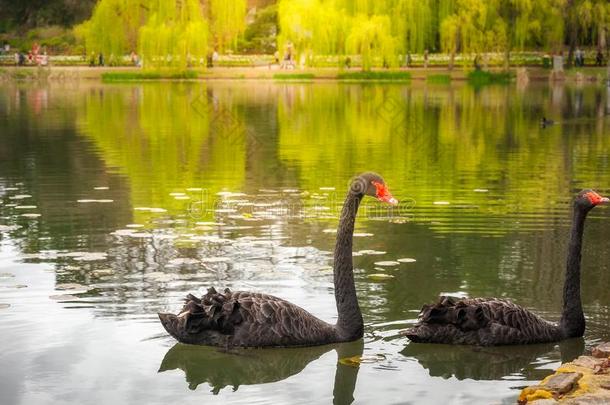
(247, 319)
(494, 321)
(544, 122)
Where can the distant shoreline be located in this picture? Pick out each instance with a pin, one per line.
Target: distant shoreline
(435, 75)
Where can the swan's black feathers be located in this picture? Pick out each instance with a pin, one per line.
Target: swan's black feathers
(481, 321)
(246, 319)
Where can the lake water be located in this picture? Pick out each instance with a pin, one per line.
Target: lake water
(117, 200)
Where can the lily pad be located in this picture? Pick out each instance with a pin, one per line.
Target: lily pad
(102, 272)
(371, 252)
(387, 263)
(31, 215)
(20, 197)
(26, 207)
(362, 234)
(183, 260)
(63, 297)
(150, 209)
(91, 256)
(406, 260)
(70, 286)
(86, 201)
(141, 235)
(161, 277)
(380, 276)
(215, 259)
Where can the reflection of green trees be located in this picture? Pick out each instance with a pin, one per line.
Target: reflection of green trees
(163, 138)
(442, 144)
(430, 144)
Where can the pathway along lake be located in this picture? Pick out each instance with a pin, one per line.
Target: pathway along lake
(117, 200)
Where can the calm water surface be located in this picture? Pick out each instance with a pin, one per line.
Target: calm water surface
(117, 200)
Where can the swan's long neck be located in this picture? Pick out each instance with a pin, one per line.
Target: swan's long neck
(572, 321)
(349, 325)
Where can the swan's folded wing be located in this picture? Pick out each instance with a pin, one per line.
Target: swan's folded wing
(276, 322)
(480, 321)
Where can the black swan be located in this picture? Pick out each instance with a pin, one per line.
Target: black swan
(246, 319)
(493, 321)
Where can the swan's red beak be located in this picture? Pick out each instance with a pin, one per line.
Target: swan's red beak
(383, 194)
(597, 199)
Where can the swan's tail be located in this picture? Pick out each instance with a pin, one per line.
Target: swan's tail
(205, 320)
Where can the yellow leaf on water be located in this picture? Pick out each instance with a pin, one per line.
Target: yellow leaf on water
(353, 361)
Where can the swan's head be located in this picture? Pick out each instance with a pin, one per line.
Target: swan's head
(588, 199)
(373, 185)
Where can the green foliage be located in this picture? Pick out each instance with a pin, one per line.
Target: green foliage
(260, 35)
(294, 76)
(148, 75)
(228, 21)
(165, 32)
(375, 76)
(479, 78)
(174, 35)
(23, 15)
(381, 32)
(438, 79)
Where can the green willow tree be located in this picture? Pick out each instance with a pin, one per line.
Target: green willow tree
(370, 29)
(228, 22)
(173, 33)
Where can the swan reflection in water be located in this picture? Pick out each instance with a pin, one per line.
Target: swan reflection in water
(492, 363)
(219, 369)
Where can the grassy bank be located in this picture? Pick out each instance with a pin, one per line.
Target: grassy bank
(479, 78)
(131, 76)
(431, 76)
(294, 76)
(375, 75)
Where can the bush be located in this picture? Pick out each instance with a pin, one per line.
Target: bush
(480, 78)
(438, 79)
(294, 76)
(375, 76)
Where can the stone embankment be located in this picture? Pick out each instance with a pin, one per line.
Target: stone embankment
(584, 381)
